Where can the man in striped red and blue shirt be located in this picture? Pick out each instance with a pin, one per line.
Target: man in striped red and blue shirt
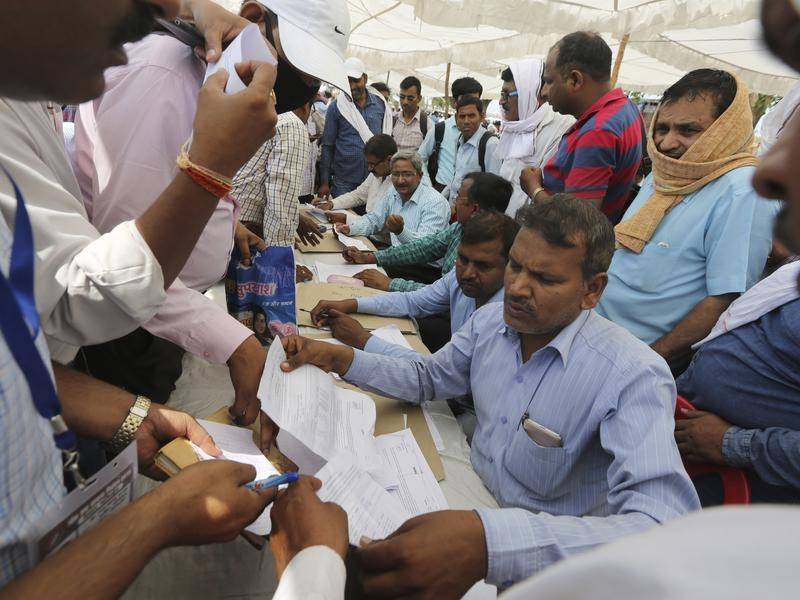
(599, 156)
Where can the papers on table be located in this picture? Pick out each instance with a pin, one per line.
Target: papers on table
(393, 335)
(248, 45)
(237, 445)
(417, 489)
(325, 270)
(317, 419)
(352, 242)
(438, 440)
(371, 511)
(320, 215)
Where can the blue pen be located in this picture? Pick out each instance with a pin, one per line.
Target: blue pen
(273, 481)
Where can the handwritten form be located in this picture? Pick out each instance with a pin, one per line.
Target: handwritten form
(237, 445)
(248, 45)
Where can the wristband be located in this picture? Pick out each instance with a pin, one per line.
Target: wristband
(536, 192)
(215, 184)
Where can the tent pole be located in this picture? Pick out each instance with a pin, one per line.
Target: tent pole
(618, 62)
(387, 77)
(447, 92)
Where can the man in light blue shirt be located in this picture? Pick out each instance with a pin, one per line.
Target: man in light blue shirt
(575, 417)
(410, 210)
(476, 146)
(709, 247)
(448, 136)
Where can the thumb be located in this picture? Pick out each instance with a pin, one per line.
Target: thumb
(294, 362)
(257, 242)
(217, 81)
(243, 244)
(263, 80)
(195, 433)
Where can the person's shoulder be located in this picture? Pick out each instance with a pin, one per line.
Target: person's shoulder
(735, 186)
(163, 52)
(624, 352)
(488, 319)
(429, 194)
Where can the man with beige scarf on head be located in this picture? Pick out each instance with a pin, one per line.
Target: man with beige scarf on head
(697, 235)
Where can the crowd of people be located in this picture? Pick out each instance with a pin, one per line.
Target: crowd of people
(576, 278)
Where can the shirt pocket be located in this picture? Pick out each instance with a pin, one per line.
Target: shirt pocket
(651, 270)
(543, 471)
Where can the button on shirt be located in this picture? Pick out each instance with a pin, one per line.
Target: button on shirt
(443, 296)
(599, 155)
(342, 147)
(468, 161)
(409, 135)
(610, 398)
(30, 463)
(447, 152)
(750, 377)
(714, 242)
(426, 212)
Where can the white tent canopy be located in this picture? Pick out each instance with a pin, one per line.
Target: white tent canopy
(479, 37)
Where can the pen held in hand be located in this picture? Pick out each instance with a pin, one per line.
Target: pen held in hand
(263, 484)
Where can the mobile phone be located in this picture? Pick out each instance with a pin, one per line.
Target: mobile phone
(542, 435)
(183, 31)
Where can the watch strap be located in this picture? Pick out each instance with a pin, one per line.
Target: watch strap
(127, 431)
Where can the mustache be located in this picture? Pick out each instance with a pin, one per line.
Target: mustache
(521, 302)
(139, 24)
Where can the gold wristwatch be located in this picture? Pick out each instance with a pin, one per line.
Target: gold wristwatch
(127, 431)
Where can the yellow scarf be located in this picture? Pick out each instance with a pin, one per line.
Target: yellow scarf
(726, 145)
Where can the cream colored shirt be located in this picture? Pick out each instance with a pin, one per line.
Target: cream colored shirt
(89, 288)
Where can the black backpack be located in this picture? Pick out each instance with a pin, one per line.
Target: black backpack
(433, 159)
(482, 149)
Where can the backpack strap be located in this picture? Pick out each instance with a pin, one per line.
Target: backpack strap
(433, 160)
(423, 123)
(482, 149)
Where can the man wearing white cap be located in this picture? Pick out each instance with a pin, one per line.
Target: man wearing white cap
(126, 141)
(349, 124)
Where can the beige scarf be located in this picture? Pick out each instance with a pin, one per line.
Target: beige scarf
(726, 145)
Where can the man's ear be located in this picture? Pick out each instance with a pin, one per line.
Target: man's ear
(576, 80)
(593, 290)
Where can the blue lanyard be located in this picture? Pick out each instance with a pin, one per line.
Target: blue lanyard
(19, 322)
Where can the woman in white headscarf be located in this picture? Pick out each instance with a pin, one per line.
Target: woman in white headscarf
(531, 129)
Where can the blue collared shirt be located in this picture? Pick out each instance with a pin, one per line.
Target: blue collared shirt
(609, 397)
(751, 378)
(468, 161)
(342, 147)
(442, 296)
(714, 242)
(447, 152)
(425, 213)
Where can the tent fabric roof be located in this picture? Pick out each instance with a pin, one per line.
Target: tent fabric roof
(479, 37)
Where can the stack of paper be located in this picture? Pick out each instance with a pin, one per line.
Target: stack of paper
(237, 445)
(352, 242)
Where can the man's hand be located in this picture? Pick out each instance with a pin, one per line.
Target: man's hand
(246, 365)
(303, 274)
(353, 255)
(334, 217)
(530, 179)
(347, 330)
(375, 279)
(438, 555)
(345, 229)
(206, 503)
(328, 357)
(229, 128)
(216, 24)
(395, 224)
(324, 191)
(246, 239)
(322, 204)
(319, 314)
(308, 230)
(301, 520)
(699, 436)
(160, 427)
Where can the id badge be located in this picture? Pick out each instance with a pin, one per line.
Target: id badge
(109, 490)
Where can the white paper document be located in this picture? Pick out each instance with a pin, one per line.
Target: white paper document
(325, 270)
(393, 335)
(237, 445)
(352, 242)
(248, 45)
(318, 214)
(417, 489)
(371, 511)
(438, 440)
(317, 419)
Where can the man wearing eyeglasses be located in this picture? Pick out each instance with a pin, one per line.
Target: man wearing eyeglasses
(411, 125)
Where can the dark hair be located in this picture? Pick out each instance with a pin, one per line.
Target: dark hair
(380, 86)
(488, 226)
(410, 82)
(566, 221)
(465, 85)
(380, 146)
(507, 75)
(490, 191)
(470, 101)
(719, 85)
(584, 51)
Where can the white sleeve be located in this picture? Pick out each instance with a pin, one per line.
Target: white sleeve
(316, 573)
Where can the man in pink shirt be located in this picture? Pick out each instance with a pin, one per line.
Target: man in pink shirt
(126, 142)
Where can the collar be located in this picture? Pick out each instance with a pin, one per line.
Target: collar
(475, 139)
(562, 343)
(614, 95)
(414, 197)
(416, 116)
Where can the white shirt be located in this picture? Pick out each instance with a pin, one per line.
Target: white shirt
(89, 288)
(368, 193)
(316, 573)
(730, 553)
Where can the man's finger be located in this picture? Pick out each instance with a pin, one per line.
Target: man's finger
(293, 362)
(244, 250)
(393, 584)
(257, 242)
(217, 81)
(213, 37)
(694, 414)
(263, 79)
(197, 434)
(381, 556)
